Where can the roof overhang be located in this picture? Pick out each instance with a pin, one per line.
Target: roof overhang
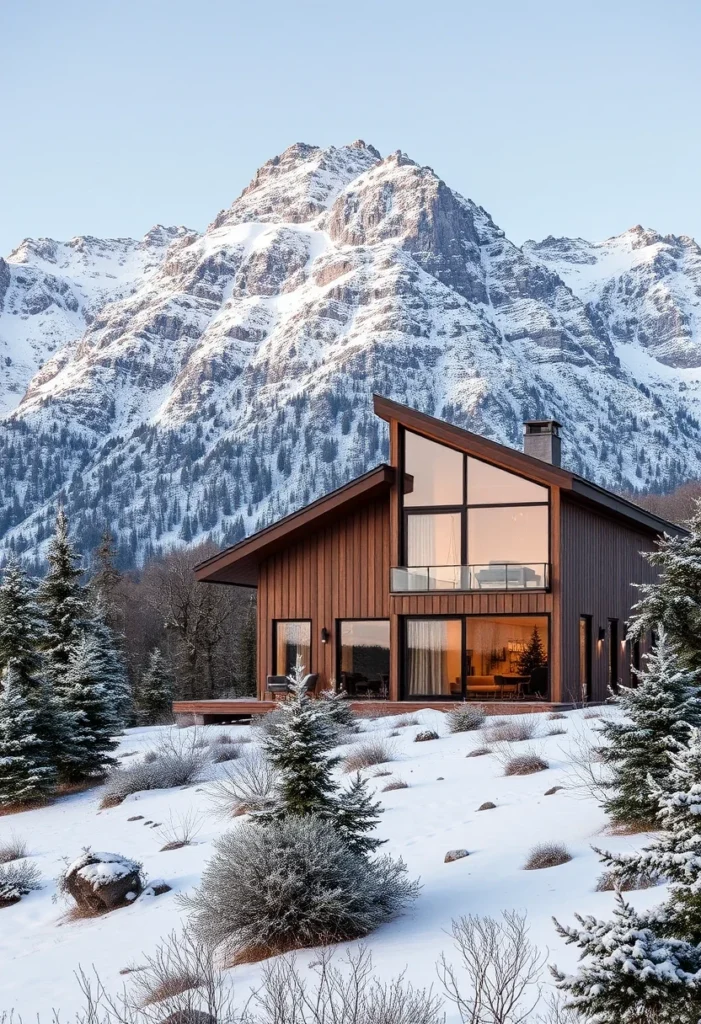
(238, 564)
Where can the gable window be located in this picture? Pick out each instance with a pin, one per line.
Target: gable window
(292, 640)
(469, 525)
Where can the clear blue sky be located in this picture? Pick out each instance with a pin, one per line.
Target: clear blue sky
(576, 117)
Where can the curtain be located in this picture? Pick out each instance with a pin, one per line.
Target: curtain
(427, 656)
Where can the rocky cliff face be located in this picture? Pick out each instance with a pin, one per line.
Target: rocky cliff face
(192, 385)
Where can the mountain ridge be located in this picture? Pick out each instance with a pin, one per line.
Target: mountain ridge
(217, 380)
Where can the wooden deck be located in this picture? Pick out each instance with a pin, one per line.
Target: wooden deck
(209, 712)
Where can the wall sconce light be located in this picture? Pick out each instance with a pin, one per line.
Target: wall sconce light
(325, 635)
(602, 634)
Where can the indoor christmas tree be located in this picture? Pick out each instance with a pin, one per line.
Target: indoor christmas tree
(534, 655)
(62, 601)
(675, 854)
(654, 723)
(629, 974)
(674, 600)
(27, 774)
(154, 701)
(89, 706)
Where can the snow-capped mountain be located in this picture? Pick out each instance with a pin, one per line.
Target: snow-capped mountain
(217, 381)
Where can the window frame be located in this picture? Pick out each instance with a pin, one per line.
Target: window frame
(358, 618)
(403, 651)
(308, 668)
(406, 511)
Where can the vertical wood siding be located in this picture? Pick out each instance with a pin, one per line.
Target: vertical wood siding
(342, 572)
(600, 561)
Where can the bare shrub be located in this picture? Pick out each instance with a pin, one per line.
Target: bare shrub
(180, 830)
(527, 762)
(406, 720)
(14, 848)
(176, 760)
(466, 717)
(586, 775)
(609, 881)
(248, 786)
(376, 751)
(501, 967)
(547, 855)
(395, 784)
(514, 729)
(556, 716)
(425, 735)
(292, 883)
(557, 1011)
(381, 773)
(592, 714)
(349, 994)
(220, 753)
(479, 751)
(17, 879)
(556, 730)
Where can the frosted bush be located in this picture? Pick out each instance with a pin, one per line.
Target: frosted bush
(250, 785)
(466, 718)
(17, 879)
(177, 760)
(293, 883)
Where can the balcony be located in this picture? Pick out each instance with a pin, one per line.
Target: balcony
(491, 576)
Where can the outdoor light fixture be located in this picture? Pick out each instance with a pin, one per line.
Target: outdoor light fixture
(324, 635)
(602, 634)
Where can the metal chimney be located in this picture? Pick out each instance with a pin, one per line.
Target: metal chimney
(541, 439)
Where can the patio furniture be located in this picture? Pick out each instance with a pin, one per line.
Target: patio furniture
(280, 686)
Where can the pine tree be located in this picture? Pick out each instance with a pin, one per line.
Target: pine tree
(674, 600)
(675, 853)
(355, 815)
(534, 655)
(20, 623)
(88, 704)
(298, 748)
(630, 975)
(26, 772)
(655, 723)
(106, 579)
(155, 693)
(113, 669)
(62, 600)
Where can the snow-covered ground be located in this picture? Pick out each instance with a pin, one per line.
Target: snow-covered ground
(40, 949)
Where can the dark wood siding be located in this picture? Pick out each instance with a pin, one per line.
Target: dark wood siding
(601, 559)
(341, 572)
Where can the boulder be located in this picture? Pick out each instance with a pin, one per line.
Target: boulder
(102, 881)
(156, 888)
(487, 806)
(452, 855)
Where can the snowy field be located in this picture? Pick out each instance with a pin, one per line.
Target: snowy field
(40, 949)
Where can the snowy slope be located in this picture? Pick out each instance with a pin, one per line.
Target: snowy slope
(230, 380)
(40, 949)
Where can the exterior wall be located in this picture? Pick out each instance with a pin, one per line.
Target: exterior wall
(600, 560)
(341, 572)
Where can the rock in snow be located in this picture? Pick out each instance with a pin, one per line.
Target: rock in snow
(192, 385)
(452, 855)
(103, 881)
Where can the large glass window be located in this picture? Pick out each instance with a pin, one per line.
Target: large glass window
(364, 657)
(432, 473)
(434, 543)
(516, 534)
(292, 640)
(506, 656)
(488, 485)
(433, 657)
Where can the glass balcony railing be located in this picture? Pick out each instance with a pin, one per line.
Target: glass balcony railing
(491, 576)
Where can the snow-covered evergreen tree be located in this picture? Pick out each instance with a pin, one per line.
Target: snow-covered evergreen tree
(154, 697)
(20, 623)
(356, 814)
(113, 669)
(88, 704)
(62, 600)
(298, 748)
(656, 716)
(675, 853)
(674, 600)
(629, 974)
(106, 579)
(26, 770)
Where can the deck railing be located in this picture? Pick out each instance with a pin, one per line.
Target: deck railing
(489, 576)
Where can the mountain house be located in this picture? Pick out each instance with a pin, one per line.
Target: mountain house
(463, 570)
